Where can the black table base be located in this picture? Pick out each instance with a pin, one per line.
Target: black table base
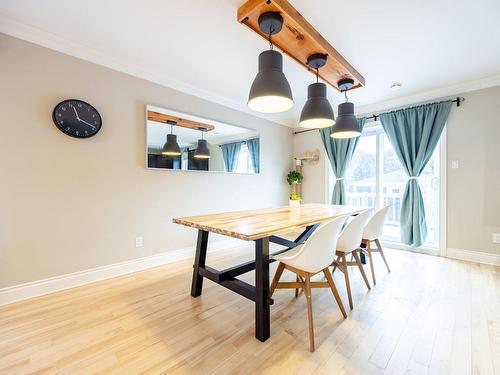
(259, 293)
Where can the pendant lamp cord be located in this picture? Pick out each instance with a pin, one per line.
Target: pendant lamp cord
(317, 75)
(345, 94)
(171, 129)
(271, 32)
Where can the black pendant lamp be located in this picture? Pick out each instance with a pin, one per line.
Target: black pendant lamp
(171, 147)
(202, 151)
(346, 125)
(270, 91)
(317, 112)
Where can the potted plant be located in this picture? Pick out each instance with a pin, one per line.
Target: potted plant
(294, 200)
(294, 178)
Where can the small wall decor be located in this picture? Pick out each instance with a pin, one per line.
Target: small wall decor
(77, 118)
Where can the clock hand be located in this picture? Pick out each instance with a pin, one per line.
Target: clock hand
(76, 113)
(85, 122)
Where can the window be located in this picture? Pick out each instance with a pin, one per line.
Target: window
(375, 179)
(361, 183)
(244, 161)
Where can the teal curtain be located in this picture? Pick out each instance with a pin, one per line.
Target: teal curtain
(230, 154)
(414, 133)
(254, 150)
(340, 153)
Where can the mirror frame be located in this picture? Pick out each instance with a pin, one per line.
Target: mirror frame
(195, 118)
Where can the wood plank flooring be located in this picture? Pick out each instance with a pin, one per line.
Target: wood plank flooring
(429, 316)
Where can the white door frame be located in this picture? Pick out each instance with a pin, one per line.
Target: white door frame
(443, 177)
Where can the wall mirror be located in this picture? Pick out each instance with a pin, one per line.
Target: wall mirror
(183, 142)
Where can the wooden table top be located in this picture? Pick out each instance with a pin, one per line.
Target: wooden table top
(256, 224)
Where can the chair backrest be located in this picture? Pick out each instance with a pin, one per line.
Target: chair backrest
(317, 252)
(350, 238)
(375, 226)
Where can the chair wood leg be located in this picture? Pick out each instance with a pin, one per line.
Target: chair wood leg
(361, 269)
(382, 253)
(309, 312)
(335, 292)
(296, 289)
(277, 276)
(370, 257)
(343, 264)
(335, 264)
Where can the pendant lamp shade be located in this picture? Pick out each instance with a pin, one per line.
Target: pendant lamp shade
(270, 91)
(171, 147)
(317, 112)
(202, 151)
(346, 125)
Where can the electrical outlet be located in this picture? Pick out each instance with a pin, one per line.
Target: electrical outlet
(496, 237)
(454, 164)
(139, 242)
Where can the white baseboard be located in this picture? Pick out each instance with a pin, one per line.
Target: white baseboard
(461, 254)
(399, 246)
(38, 288)
(473, 256)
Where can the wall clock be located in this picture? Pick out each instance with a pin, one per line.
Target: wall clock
(77, 118)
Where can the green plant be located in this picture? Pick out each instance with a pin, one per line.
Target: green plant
(294, 178)
(294, 197)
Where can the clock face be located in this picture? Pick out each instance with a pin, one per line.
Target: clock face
(77, 118)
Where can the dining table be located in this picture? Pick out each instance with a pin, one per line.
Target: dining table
(261, 226)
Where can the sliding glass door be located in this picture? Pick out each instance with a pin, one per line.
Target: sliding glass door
(376, 179)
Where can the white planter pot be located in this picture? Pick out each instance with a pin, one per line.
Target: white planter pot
(294, 203)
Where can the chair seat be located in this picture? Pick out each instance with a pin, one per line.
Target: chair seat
(288, 255)
(344, 251)
(291, 258)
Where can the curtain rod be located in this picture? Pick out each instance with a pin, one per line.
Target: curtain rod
(374, 117)
(242, 142)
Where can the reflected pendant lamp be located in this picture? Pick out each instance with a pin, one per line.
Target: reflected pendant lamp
(270, 91)
(346, 125)
(317, 111)
(202, 151)
(171, 147)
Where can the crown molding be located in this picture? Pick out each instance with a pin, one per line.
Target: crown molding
(425, 96)
(45, 39)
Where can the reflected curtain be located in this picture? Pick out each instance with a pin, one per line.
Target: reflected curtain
(340, 153)
(230, 154)
(254, 150)
(414, 133)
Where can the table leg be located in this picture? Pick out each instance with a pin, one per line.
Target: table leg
(199, 261)
(262, 310)
(362, 255)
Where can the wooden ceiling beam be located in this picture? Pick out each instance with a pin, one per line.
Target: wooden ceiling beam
(184, 123)
(299, 39)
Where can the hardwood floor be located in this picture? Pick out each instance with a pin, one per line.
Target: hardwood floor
(429, 316)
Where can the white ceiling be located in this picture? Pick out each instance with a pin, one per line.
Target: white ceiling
(434, 47)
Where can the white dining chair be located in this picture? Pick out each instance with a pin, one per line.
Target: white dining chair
(372, 232)
(312, 257)
(349, 242)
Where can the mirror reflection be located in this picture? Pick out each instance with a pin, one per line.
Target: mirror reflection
(181, 141)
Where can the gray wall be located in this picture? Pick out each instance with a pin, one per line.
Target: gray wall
(473, 190)
(72, 204)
